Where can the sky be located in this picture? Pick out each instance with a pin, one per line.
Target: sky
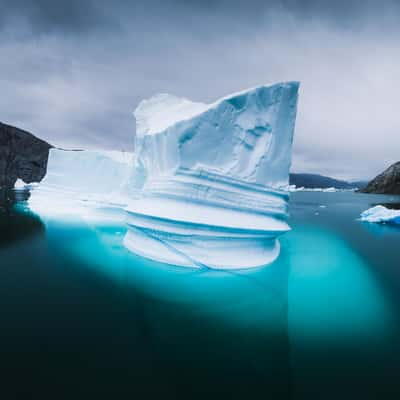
(72, 72)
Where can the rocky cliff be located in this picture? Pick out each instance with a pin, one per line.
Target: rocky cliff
(22, 155)
(388, 182)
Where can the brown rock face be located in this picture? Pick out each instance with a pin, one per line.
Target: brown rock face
(22, 155)
(386, 183)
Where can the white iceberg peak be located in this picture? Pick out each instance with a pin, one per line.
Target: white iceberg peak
(163, 110)
(247, 135)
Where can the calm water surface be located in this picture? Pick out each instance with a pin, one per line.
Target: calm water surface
(82, 317)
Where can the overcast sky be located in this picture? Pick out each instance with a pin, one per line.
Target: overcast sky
(73, 71)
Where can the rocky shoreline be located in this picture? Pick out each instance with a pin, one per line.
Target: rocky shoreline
(22, 156)
(388, 182)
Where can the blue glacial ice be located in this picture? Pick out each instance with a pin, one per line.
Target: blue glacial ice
(207, 186)
(211, 179)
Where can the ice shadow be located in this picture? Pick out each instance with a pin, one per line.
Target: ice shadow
(16, 222)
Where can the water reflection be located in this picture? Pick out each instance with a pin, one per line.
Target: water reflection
(15, 223)
(9, 197)
(382, 230)
(227, 329)
(271, 330)
(327, 279)
(340, 319)
(332, 294)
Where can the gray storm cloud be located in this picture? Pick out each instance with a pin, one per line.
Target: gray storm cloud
(72, 72)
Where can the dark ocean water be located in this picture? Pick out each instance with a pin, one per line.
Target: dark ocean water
(80, 317)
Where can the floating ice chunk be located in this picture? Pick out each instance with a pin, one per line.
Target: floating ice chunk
(293, 188)
(20, 184)
(213, 178)
(381, 214)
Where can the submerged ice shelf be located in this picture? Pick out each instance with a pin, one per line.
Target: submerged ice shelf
(206, 186)
(210, 179)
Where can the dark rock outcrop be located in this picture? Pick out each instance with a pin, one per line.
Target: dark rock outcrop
(388, 182)
(22, 155)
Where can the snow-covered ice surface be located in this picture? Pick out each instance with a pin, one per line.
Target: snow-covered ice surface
(381, 214)
(83, 183)
(87, 173)
(211, 180)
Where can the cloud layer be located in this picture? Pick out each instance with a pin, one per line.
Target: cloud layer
(72, 72)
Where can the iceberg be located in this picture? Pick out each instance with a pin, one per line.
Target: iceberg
(294, 188)
(78, 182)
(209, 183)
(381, 214)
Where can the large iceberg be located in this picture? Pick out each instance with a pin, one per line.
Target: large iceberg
(381, 214)
(206, 186)
(210, 180)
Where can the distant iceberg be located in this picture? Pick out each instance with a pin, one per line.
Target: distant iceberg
(381, 214)
(294, 188)
(211, 179)
(20, 184)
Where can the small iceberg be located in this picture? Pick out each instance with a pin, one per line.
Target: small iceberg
(381, 214)
(20, 184)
